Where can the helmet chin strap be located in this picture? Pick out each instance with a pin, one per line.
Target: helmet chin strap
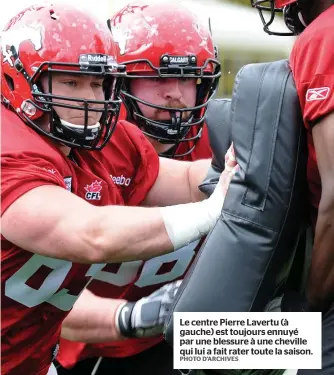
(75, 126)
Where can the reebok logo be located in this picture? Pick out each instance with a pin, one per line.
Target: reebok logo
(121, 180)
(320, 93)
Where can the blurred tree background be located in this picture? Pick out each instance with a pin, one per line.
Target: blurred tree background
(240, 38)
(243, 2)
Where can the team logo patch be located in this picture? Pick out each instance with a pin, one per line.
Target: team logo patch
(15, 37)
(121, 37)
(320, 93)
(68, 183)
(93, 191)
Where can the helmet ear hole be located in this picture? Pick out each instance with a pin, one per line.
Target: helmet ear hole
(293, 18)
(9, 81)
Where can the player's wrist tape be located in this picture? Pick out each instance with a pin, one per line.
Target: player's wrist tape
(186, 223)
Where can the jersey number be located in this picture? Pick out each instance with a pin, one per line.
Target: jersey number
(149, 275)
(17, 289)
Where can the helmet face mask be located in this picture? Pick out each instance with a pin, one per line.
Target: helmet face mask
(175, 130)
(83, 135)
(291, 15)
(26, 62)
(160, 42)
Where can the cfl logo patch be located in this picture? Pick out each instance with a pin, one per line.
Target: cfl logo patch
(93, 191)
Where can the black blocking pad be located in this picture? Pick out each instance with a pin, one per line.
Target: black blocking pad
(245, 260)
(218, 122)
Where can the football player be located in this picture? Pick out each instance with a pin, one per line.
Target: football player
(164, 94)
(312, 61)
(64, 155)
(172, 73)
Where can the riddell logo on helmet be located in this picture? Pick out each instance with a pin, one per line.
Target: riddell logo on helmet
(121, 180)
(97, 58)
(86, 59)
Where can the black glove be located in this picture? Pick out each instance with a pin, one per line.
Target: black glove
(146, 317)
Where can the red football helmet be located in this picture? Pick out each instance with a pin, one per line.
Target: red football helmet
(50, 38)
(283, 3)
(165, 40)
(291, 14)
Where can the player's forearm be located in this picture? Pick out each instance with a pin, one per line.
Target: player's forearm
(66, 227)
(92, 320)
(320, 289)
(130, 233)
(74, 230)
(196, 174)
(114, 234)
(85, 233)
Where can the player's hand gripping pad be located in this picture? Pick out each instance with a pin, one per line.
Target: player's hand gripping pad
(218, 122)
(246, 257)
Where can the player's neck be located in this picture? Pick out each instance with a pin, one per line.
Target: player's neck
(159, 147)
(64, 149)
(43, 123)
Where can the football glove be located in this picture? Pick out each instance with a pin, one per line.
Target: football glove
(146, 317)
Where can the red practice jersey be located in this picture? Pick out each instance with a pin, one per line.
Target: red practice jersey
(312, 64)
(137, 279)
(37, 291)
